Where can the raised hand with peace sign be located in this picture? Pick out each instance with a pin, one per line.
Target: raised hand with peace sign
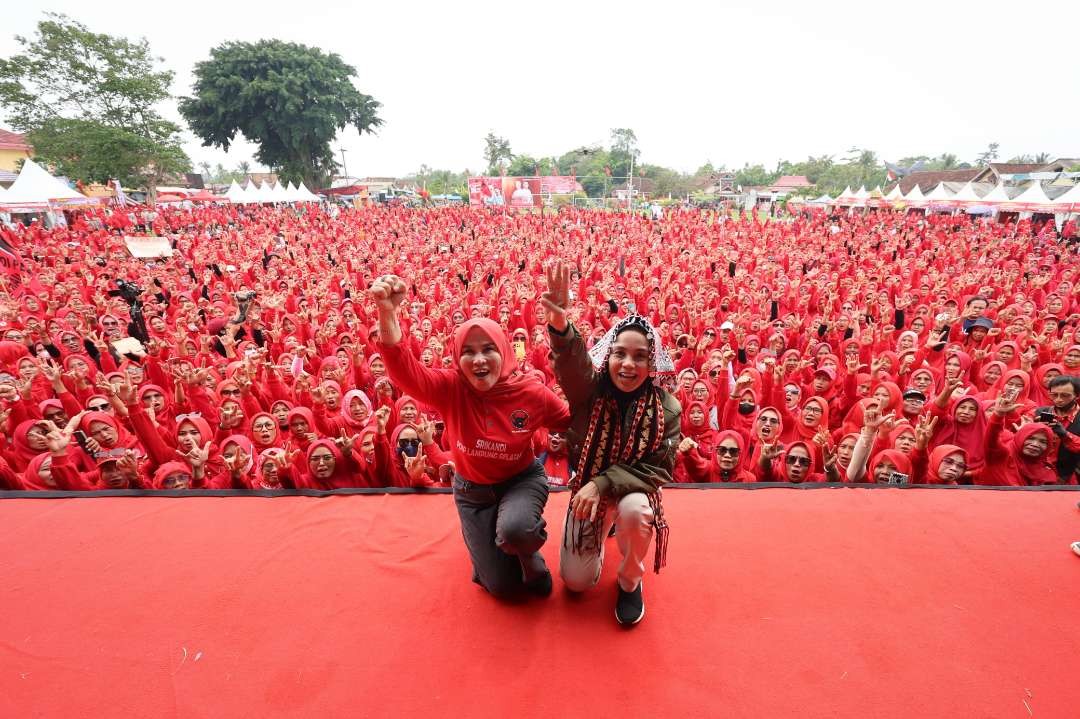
(556, 299)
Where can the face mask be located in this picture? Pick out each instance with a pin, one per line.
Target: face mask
(747, 407)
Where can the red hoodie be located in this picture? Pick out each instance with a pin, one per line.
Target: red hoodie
(490, 432)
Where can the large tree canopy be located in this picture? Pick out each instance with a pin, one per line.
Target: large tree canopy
(289, 99)
(87, 102)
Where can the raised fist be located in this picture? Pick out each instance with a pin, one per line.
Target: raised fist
(388, 292)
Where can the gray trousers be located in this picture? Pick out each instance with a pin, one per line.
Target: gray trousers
(632, 518)
(503, 527)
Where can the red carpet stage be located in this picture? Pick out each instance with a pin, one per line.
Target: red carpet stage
(776, 603)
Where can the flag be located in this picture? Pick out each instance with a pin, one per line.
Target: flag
(10, 264)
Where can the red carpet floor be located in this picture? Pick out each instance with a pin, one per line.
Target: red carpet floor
(776, 603)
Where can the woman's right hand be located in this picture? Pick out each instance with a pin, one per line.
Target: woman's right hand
(388, 292)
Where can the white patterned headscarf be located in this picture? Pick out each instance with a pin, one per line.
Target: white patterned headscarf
(660, 363)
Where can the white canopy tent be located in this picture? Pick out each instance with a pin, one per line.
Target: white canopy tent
(1033, 199)
(940, 196)
(966, 195)
(236, 193)
(996, 196)
(35, 190)
(1069, 202)
(895, 194)
(915, 197)
(306, 195)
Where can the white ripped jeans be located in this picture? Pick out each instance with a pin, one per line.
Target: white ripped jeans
(633, 520)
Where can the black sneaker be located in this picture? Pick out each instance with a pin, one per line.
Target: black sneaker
(539, 586)
(629, 607)
(536, 577)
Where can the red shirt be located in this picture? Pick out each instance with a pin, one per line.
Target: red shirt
(490, 432)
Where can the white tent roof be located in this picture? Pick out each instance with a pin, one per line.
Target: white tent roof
(967, 194)
(236, 193)
(1033, 195)
(996, 195)
(914, 195)
(35, 186)
(939, 193)
(861, 193)
(823, 200)
(895, 193)
(1072, 197)
(291, 192)
(845, 193)
(307, 195)
(260, 193)
(280, 194)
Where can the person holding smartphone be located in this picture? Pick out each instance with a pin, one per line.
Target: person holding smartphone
(1062, 418)
(491, 413)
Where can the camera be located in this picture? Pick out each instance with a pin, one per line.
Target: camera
(243, 303)
(1046, 416)
(128, 291)
(898, 478)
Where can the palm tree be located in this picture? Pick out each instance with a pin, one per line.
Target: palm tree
(1042, 158)
(205, 167)
(244, 168)
(948, 161)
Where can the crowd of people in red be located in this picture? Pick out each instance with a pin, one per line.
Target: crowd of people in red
(879, 347)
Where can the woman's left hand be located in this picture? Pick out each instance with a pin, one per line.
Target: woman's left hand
(586, 502)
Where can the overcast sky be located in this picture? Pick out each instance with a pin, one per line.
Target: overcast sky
(753, 82)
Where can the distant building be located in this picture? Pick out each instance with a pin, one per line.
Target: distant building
(786, 184)
(13, 148)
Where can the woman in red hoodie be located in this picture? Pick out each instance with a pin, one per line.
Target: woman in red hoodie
(491, 413)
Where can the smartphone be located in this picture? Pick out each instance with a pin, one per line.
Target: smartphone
(898, 478)
(1046, 416)
(80, 437)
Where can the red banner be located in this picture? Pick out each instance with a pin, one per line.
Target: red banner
(519, 191)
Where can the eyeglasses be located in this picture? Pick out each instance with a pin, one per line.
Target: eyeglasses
(408, 443)
(799, 461)
(768, 420)
(321, 458)
(728, 451)
(953, 463)
(231, 392)
(811, 409)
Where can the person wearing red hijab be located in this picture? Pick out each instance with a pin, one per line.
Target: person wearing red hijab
(500, 488)
(728, 457)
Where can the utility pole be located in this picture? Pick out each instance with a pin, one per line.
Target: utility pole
(344, 168)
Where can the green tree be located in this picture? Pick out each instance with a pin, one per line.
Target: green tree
(289, 99)
(988, 155)
(753, 176)
(948, 161)
(88, 104)
(243, 169)
(496, 152)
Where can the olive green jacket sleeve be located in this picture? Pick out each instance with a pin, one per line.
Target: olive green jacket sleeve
(573, 367)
